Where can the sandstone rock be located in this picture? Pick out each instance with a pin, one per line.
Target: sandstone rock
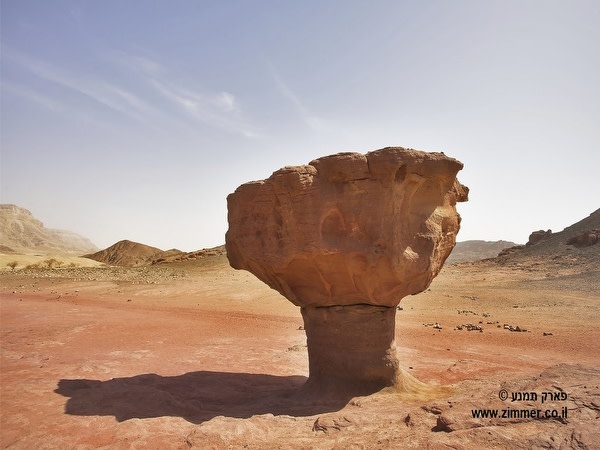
(327, 424)
(348, 228)
(346, 237)
(349, 343)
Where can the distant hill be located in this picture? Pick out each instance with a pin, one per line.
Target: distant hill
(22, 232)
(576, 245)
(475, 250)
(192, 256)
(130, 254)
(133, 254)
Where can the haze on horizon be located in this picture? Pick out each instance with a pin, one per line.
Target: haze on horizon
(135, 120)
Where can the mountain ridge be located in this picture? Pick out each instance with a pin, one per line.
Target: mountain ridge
(476, 249)
(22, 232)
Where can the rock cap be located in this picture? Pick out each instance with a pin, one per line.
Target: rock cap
(348, 228)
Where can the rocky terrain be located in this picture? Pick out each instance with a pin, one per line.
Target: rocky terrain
(178, 356)
(22, 232)
(193, 354)
(561, 251)
(476, 250)
(133, 254)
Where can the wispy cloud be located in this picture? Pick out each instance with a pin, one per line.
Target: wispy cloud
(216, 109)
(227, 102)
(143, 93)
(220, 110)
(313, 121)
(53, 105)
(114, 97)
(142, 65)
(41, 100)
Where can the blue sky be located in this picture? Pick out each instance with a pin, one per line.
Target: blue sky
(134, 119)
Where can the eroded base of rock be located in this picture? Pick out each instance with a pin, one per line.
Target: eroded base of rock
(351, 349)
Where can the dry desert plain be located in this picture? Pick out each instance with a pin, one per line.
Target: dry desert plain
(197, 355)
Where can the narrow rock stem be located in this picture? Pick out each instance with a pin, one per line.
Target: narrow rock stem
(351, 348)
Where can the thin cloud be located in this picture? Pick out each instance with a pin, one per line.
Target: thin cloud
(311, 120)
(135, 63)
(101, 92)
(227, 102)
(35, 97)
(218, 110)
(54, 106)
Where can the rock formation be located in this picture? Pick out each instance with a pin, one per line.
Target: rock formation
(538, 236)
(132, 254)
(346, 237)
(585, 238)
(476, 250)
(23, 233)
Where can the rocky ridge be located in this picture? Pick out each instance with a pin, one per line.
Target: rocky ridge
(577, 245)
(475, 250)
(21, 231)
(128, 253)
(131, 254)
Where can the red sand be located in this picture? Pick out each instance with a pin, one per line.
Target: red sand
(143, 362)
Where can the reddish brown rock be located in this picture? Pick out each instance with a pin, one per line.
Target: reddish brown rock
(538, 236)
(346, 237)
(585, 238)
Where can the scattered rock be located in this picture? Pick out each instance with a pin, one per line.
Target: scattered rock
(327, 424)
(470, 327)
(433, 409)
(296, 348)
(585, 238)
(516, 328)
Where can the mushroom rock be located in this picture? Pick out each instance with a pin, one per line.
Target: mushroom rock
(346, 237)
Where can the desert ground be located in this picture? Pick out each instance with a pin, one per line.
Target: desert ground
(197, 355)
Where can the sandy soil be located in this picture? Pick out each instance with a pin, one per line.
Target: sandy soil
(197, 355)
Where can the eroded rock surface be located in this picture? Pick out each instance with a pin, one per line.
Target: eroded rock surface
(585, 238)
(346, 230)
(538, 236)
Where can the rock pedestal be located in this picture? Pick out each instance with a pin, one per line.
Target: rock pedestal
(346, 237)
(351, 348)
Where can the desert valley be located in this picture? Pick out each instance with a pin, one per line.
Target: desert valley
(299, 225)
(135, 347)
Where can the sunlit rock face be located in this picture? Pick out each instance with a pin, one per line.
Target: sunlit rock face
(349, 230)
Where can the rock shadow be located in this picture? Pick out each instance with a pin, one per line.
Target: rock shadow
(194, 396)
